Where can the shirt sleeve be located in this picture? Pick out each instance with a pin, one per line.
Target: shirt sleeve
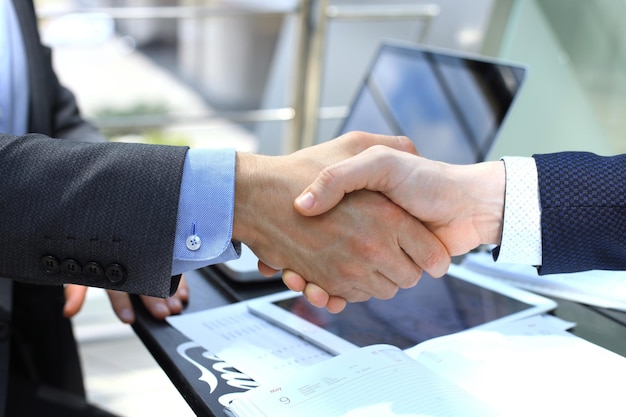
(521, 229)
(205, 210)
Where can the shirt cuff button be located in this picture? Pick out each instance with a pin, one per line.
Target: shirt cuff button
(193, 242)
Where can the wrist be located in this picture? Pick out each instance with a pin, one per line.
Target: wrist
(248, 181)
(262, 194)
(485, 186)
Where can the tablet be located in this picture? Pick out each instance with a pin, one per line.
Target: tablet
(460, 300)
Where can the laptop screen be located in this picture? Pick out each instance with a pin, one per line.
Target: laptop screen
(450, 105)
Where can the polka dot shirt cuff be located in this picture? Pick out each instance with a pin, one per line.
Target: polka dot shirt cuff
(521, 229)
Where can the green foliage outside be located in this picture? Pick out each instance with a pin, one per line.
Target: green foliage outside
(139, 123)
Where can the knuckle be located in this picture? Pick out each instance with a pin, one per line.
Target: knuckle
(328, 176)
(355, 140)
(371, 249)
(405, 144)
(388, 293)
(349, 273)
(412, 280)
(436, 262)
(358, 297)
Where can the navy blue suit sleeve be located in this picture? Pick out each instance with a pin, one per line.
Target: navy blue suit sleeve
(583, 211)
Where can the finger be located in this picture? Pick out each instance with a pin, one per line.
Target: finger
(316, 295)
(74, 299)
(424, 249)
(266, 270)
(367, 170)
(356, 295)
(294, 281)
(182, 292)
(421, 251)
(319, 297)
(393, 268)
(336, 304)
(383, 284)
(161, 308)
(364, 140)
(123, 308)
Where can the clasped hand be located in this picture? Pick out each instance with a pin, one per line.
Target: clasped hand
(452, 210)
(366, 246)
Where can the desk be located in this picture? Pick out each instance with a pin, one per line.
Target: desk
(203, 380)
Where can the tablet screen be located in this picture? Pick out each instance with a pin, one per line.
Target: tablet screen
(432, 308)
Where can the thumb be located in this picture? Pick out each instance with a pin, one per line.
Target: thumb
(321, 195)
(333, 182)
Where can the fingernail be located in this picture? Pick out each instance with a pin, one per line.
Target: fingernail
(174, 303)
(127, 315)
(305, 200)
(161, 309)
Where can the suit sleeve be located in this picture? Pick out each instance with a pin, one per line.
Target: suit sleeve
(583, 211)
(97, 214)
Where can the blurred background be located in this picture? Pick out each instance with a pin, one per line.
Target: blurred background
(271, 76)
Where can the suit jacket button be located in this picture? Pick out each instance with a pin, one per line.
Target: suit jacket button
(115, 273)
(50, 264)
(93, 270)
(71, 268)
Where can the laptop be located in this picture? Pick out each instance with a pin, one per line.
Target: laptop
(451, 105)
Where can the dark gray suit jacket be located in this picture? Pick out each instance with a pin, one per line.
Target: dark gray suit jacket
(91, 207)
(98, 214)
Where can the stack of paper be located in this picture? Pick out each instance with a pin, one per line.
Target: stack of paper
(599, 288)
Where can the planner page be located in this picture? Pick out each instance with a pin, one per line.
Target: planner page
(252, 345)
(530, 368)
(375, 381)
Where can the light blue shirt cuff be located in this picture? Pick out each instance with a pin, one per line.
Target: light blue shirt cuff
(205, 210)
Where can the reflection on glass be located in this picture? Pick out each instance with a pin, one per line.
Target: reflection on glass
(435, 307)
(450, 106)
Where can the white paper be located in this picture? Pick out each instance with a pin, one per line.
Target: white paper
(252, 345)
(599, 288)
(375, 381)
(529, 367)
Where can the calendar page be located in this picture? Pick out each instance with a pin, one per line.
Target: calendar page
(255, 347)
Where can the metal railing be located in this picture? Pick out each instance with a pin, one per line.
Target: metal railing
(303, 110)
(326, 13)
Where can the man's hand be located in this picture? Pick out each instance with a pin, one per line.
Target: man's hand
(366, 246)
(122, 306)
(462, 205)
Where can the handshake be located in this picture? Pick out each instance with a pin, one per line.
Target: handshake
(363, 215)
